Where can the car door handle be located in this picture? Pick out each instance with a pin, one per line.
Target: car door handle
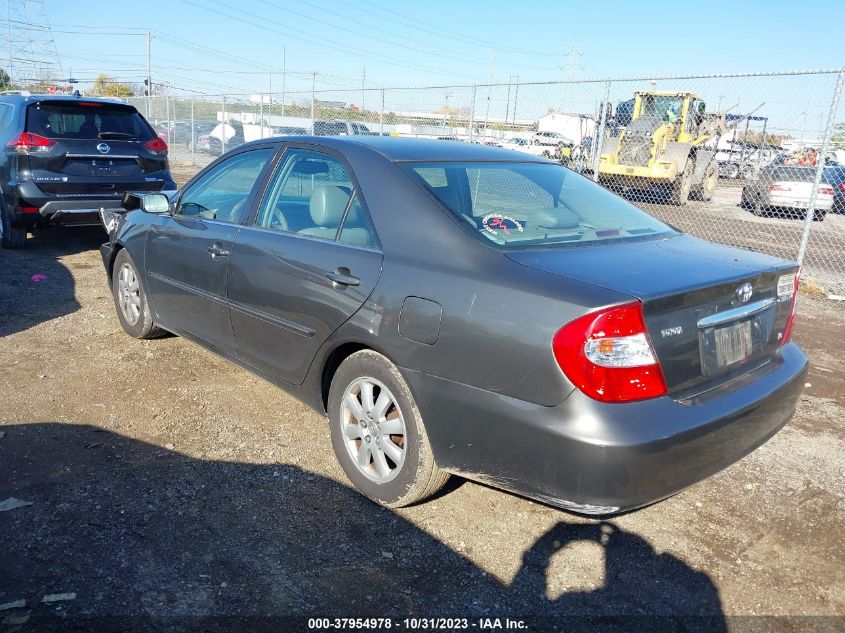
(342, 277)
(216, 251)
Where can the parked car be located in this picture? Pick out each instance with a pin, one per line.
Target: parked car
(551, 138)
(341, 128)
(289, 131)
(66, 157)
(530, 146)
(225, 136)
(786, 189)
(202, 130)
(835, 177)
(456, 308)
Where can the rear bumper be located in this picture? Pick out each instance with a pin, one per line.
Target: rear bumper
(77, 209)
(598, 458)
(786, 201)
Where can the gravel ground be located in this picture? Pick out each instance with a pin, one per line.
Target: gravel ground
(170, 487)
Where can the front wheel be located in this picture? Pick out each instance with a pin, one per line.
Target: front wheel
(378, 433)
(130, 300)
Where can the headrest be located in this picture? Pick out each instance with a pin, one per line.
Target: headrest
(555, 219)
(328, 204)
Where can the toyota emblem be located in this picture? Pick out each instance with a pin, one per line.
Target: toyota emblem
(103, 148)
(744, 292)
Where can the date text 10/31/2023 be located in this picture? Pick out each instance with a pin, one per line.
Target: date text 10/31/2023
(415, 624)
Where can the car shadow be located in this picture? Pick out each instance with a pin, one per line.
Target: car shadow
(145, 538)
(35, 286)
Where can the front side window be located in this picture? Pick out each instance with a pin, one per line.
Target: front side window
(313, 194)
(534, 204)
(222, 193)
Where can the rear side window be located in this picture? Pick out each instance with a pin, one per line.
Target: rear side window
(72, 120)
(534, 204)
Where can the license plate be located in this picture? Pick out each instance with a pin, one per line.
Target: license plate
(733, 343)
(798, 204)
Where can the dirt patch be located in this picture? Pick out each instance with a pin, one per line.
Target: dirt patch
(167, 482)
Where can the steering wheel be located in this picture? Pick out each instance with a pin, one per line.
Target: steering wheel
(278, 220)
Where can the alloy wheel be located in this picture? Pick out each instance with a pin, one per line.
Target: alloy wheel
(373, 429)
(129, 294)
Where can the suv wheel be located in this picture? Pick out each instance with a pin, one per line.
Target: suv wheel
(130, 300)
(10, 236)
(378, 433)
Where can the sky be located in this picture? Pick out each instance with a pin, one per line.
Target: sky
(242, 46)
(437, 41)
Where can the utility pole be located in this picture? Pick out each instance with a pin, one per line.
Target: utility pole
(573, 55)
(515, 97)
(803, 126)
(149, 72)
(489, 92)
(508, 105)
(284, 76)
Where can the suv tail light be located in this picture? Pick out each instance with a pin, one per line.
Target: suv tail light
(607, 354)
(156, 146)
(783, 290)
(27, 142)
(826, 191)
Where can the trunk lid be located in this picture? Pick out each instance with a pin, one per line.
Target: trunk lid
(99, 149)
(704, 325)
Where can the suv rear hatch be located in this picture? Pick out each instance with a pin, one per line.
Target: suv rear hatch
(97, 150)
(713, 313)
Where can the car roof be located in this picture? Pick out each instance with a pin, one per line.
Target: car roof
(36, 98)
(402, 149)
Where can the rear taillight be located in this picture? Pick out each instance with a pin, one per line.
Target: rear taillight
(826, 191)
(608, 355)
(28, 143)
(156, 145)
(779, 188)
(788, 284)
(841, 186)
(28, 209)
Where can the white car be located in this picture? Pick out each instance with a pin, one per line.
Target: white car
(551, 138)
(787, 188)
(530, 146)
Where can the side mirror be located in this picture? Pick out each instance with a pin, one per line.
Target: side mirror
(147, 202)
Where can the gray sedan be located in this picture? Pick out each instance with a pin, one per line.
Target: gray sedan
(455, 308)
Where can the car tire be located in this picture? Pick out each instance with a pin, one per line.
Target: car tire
(10, 236)
(679, 191)
(757, 206)
(394, 477)
(130, 299)
(818, 216)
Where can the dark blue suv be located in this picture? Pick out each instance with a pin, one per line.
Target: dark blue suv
(66, 157)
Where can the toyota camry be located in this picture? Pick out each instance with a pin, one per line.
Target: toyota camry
(461, 309)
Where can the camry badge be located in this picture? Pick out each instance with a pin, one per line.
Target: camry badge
(743, 293)
(103, 148)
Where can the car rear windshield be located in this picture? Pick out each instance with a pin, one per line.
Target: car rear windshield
(87, 120)
(794, 174)
(531, 204)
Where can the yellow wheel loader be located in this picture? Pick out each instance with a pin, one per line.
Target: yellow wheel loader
(663, 149)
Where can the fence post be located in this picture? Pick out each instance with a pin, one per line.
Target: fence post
(472, 114)
(261, 112)
(223, 128)
(169, 122)
(599, 137)
(313, 100)
(381, 115)
(193, 134)
(828, 132)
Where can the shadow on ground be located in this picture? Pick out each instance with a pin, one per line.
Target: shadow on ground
(163, 541)
(35, 286)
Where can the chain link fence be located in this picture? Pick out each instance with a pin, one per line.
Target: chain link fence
(748, 160)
